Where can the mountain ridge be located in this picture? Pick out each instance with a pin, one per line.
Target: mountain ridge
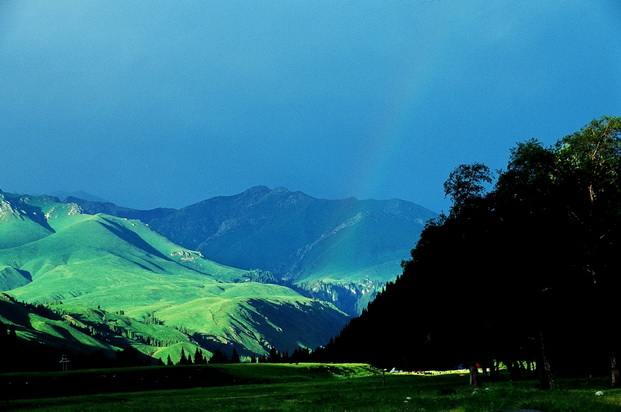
(298, 238)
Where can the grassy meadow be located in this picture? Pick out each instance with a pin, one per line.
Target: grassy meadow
(309, 387)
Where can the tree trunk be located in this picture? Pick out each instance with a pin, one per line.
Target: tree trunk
(528, 368)
(494, 369)
(475, 379)
(614, 368)
(546, 374)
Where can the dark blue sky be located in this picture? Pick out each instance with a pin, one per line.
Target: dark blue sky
(167, 103)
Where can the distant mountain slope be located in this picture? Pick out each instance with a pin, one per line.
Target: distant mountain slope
(116, 264)
(339, 250)
(21, 223)
(94, 207)
(298, 236)
(63, 195)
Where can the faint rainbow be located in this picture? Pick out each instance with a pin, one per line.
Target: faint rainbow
(409, 95)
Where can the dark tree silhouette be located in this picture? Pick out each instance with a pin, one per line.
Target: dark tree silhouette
(218, 357)
(234, 357)
(527, 272)
(183, 359)
(466, 183)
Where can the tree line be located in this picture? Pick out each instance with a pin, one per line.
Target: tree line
(23, 355)
(523, 272)
(199, 358)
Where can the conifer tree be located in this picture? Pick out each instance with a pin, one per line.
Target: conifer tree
(275, 356)
(183, 360)
(199, 359)
(218, 357)
(234, 357)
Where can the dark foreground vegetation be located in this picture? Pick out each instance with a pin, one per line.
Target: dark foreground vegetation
(134, 379)
(307, 387)
(527, 273)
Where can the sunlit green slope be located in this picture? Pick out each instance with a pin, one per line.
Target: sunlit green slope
(115, 264)
(82, 330)
(41, 325)
(341, 251)
(20, 222)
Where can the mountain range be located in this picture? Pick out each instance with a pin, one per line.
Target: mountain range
(259, 270)
(341, 250)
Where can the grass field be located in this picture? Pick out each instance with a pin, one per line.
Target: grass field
(316, 387)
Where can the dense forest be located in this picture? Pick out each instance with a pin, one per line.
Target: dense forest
(524, 271)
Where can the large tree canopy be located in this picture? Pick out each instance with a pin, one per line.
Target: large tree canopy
(466, 183)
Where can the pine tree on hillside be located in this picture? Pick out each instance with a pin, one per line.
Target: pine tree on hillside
(218, 357)
(199, 359)
(275, 356)
(234, 357)
(183, 360)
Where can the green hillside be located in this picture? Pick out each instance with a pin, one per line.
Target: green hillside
(80, 332)
(41, 325)
(20, 222)
(95, 264)
(342, 250)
